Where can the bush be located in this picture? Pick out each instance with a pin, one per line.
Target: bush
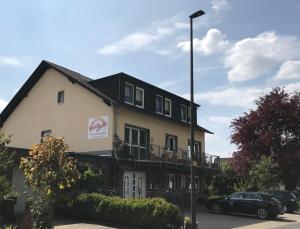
(146, 213)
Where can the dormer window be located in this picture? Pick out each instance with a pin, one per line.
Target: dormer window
(128, 98)
(139, 97)
(60, 97)
(159, 104)
(183, 113)
(168, 107)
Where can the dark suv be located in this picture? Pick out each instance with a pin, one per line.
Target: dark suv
(262, 205)
(288, 199)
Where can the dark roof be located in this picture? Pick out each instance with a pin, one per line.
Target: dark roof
(37, 74)
(73, 77)
(123, 74)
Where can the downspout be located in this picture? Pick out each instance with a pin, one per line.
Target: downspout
(116, 138)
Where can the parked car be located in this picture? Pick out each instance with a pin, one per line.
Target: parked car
(297, 194)
(262, 205)
(288, 199)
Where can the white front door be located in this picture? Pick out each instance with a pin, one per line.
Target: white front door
(134, 184)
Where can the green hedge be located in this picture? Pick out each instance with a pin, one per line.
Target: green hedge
(146, 213)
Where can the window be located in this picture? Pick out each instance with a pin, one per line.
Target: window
(196, 183)
(60, 97)
(168, 107)
(136, 142)
(197, 150)
(189, 114)
(45, 133)
(183, 182)
(183, 113)
(170, 181)
(250, 196)
(139, 97)
(159, 104)
(128, 93)
(171, 143)
(236, 196)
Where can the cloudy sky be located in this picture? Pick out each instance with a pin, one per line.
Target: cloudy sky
(242, 48)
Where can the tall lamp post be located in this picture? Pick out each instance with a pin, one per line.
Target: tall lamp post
(192, 149)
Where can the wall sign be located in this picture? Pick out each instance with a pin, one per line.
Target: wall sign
(98, 127)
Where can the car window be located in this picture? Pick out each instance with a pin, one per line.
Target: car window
(251, 196)
(236, 196)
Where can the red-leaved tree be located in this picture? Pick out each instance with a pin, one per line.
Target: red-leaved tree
(272, 129)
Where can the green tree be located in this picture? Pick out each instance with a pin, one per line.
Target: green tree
(264, 173)
(6, 161)
(48, 171)
(223, 183)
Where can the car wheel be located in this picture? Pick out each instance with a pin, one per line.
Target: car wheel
(262, 213)
(216, 208)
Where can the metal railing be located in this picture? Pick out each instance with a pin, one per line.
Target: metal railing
(160, 153)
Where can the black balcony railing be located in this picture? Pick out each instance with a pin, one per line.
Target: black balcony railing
(160, 153)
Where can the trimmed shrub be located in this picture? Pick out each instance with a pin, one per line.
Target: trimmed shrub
(146, 213)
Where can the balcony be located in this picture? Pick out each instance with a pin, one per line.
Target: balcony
(158, 153)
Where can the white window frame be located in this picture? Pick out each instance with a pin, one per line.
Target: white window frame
(162, 104)
(197, 185)
(131, 103)
(195, 143)
(143, 96)
(186, 110)
(168, 136)
(170, 115)
(183, 181)
(132, 145)
(169, 175)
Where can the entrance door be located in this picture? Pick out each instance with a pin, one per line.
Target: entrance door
(134, 184)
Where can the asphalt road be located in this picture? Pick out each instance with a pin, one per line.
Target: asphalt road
(212, 221)
(208, 221)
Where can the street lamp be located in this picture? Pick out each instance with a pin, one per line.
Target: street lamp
(192, 149)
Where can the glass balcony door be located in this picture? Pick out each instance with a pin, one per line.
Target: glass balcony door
(136, 141)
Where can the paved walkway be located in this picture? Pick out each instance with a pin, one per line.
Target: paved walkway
(73, 224)
(208, 221)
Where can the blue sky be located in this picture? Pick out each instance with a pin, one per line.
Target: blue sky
(242, 49)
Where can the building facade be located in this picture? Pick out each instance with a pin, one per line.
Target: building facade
(135, 133)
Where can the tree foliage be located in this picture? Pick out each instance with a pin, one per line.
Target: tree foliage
(272, 129)
(48, 169)
(6, 161)
(264, 173)
(223, 182)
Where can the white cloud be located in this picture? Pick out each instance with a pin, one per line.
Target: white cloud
(239, 97)
(218, 5)
(10, 61)
(252, 57)
(129, 43)
(156, 31)
(289, 70)
(213, 42)
(2, 104)
(292, 87)
(231, 97)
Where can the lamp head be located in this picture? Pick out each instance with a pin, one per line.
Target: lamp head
(197, 14)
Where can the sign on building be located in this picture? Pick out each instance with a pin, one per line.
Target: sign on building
(98, 127)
